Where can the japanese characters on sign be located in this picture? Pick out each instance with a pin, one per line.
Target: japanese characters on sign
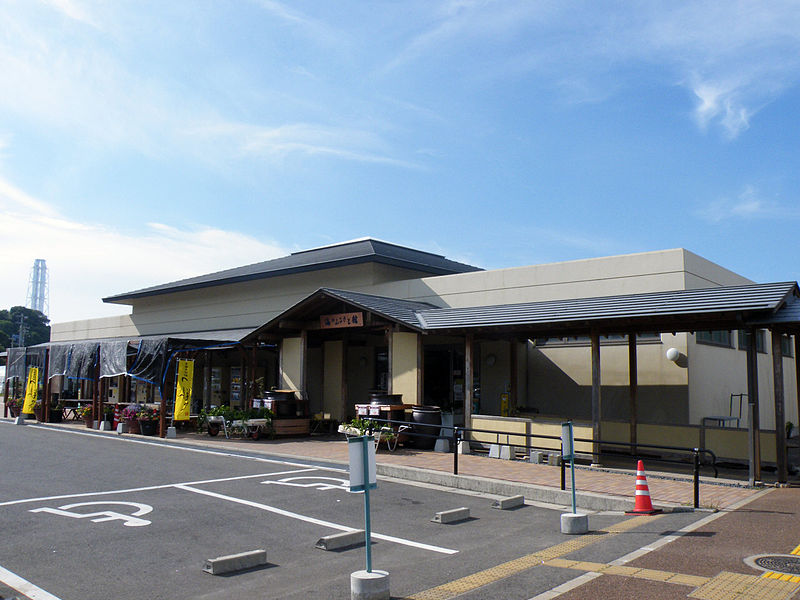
(355, 319)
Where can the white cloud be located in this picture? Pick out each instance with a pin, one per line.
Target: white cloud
(88, 261)
(749, 204)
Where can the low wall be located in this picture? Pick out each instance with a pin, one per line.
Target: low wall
(728, 443)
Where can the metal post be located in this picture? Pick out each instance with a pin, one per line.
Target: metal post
(455, 450)
(696, 460)
(563, 475)
(367, 526)
(572, 472)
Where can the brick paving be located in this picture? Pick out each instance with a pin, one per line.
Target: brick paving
(665, 488)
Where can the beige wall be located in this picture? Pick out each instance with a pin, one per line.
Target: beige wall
(404, 366)
(291, 367)
(333, 353)
(105, 327)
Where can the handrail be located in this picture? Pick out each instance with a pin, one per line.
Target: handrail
(458, 432)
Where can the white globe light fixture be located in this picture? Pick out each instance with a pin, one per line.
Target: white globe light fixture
(673, 354)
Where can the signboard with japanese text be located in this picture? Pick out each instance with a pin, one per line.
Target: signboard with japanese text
(183, 389)
(31, 391)
(355, 319)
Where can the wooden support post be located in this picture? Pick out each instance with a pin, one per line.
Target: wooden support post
(420, 370)
(596, 399)
(752, 396)
(46, 399)
(513, 392)
(633, 389)
(797, 372)
(345, 399)
(780, 417)
(304, 364)
(207, 379)
(469, 356)
(389, 358)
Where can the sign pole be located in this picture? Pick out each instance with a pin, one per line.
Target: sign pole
(367, 525)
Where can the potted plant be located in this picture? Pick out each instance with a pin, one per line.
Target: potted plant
(148, 420)
(56, 412)
(130, 414)
(108, 415)
(87, 414)
(14, 407)
(38, 410)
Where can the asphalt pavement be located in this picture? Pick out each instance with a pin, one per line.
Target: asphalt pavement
(89, 515)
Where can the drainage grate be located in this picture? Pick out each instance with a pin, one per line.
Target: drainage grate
(781, 563)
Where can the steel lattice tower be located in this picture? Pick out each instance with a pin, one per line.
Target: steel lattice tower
(38, 287)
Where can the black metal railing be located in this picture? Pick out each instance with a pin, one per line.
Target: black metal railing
(680, 454)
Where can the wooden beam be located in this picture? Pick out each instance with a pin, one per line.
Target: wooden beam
(596, 399)
(513, 378)
(344, 392)
(779, 397)
(633, 390)
(389, 356)
(301, 325)
(304, 364)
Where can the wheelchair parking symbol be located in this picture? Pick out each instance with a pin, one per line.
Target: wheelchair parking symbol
(321, 483)
(131, 520)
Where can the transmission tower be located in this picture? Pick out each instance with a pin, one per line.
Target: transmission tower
(38, 287)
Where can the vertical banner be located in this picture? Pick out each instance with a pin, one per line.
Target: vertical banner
(31, 391)
(183, 389)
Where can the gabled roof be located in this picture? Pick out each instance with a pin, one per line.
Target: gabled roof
(326, 300)
(327, 257)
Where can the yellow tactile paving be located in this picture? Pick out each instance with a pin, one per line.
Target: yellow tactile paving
(796, 550)
(728, 585)
(692, 580)
(653, 575)
(507, 569)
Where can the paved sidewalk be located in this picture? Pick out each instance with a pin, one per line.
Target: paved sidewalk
(666, 489)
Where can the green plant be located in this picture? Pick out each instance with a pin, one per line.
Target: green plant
(148, 413)
(84, 411)
(13, 403)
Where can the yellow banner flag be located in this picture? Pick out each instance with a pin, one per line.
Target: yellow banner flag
(31, 391)
(183, 389)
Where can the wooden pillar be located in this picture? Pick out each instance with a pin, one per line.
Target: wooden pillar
(513, 394)
(469, 356)
(752, 397)
(46, 389)
(780, 416)
(345, 396)
(304, 364)
(596, 400)
(389, 356)
(207, 380)
(420, 370)
(797, 372)
(5, 394)
(633, 390)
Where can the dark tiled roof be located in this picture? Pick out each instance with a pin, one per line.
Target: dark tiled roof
(744, 298)
(338, 255)
(405, 312)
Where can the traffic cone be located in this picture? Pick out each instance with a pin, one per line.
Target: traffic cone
(643, 505)
(117, 416)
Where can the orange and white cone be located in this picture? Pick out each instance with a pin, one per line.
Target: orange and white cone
(643, 504)
(117, 416)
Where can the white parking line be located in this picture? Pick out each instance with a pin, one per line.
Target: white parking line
(299, 517)
(24, 586)
(154, 487)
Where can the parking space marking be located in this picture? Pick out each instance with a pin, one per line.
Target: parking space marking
(24, 586)
(132, 520)
(315, 521)
(150, 488)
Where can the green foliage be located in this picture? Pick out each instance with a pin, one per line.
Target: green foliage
(36, 324)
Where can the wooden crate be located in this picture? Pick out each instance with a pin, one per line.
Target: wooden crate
(291, 426)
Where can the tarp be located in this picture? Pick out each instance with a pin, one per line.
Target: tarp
(149, 362)
(59, 359)
(113, 358)
(16, 364)
(82, 360)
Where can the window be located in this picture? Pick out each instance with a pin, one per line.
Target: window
(787, 345)
(715, 338)
(761, 340)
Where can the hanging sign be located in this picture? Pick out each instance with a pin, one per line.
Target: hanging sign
(355, 319)
(363, 473)
(183, 389)
(31, 391)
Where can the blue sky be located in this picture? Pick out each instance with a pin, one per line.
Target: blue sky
(142, 142)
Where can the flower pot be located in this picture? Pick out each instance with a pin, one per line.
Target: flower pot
(37, 411)
(148, 427)
(56, 415)
(13, 412)
(133, 425)
(89, 421)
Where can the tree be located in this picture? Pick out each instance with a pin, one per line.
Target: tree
(35, 325)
